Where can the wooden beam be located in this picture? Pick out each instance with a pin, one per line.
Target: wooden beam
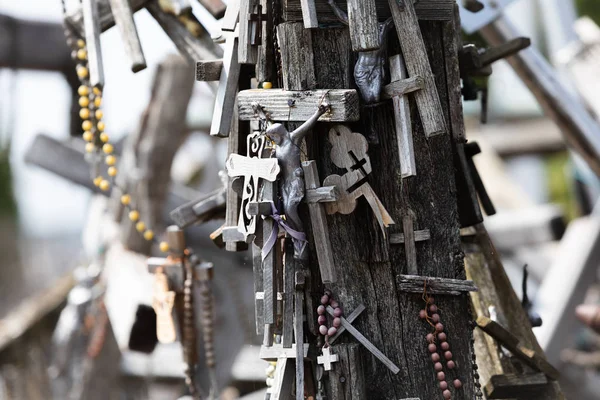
(92, 42)
(514, 386)
(282, 105)
(309, 14)
(232, 16)
(415, 284)
(106, 19)
(364, 26)
(228, 86)
(124, 18)
(298, 68)
(402, 87)
(209, 71)
(417, 64)
(247, 53)
(216, 8)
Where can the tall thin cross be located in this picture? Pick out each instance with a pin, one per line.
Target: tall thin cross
(410, 237)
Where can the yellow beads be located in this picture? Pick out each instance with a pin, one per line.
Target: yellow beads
(83, 90)
(148, 235)
(84, 113)
(84, 102)
(99, 114)
(97, 181)
(104, 137)
(82, 71)
(97, 91)
(112, 171)
(140, 226)
(110, 160)
(267, 85)
(98, 101)
(88, 136)
(164, 247)
(100, 126)
(89, 147)
(104, 185)
(86, 125)
(82, 54)
(126, 199)
(134, 215)
(80, 43)
(107, 148)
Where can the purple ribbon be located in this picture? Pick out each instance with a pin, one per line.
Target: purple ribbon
(279, 221)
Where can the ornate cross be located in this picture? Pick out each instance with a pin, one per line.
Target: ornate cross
(252, 168)
(327, 358)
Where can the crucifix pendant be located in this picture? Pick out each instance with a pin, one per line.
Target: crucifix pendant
(162, 302)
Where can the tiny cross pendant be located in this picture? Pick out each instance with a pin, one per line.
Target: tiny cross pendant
(327, 358)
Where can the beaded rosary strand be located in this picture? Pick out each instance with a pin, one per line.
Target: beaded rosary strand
(97, 141)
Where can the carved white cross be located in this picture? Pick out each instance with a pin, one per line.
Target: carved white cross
(327, 358)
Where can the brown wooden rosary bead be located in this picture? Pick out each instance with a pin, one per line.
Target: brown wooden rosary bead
(445, 346)
(337, 322)
(435, 357)
(439, 327)
(443, 385)
(430, 338)
(435, 318)
(321, 310)
(433, 308)
(451, 364)
(337, 312)
(325, 300)
(447, 395)
(442, 337)
(448, 355)
(322, 320)
(432, 348)
(441, 376)
(438, 367)
(334, 304)
(457, 383)
(323, 330)
(422, 314)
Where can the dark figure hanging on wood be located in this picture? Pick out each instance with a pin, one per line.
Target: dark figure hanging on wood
(287, 153)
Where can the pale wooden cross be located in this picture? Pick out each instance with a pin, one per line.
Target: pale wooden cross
(309, 14)
(91, 25)
(365, 342)
(327, 358)
(123, 15)
(410, 237)
(250, 29)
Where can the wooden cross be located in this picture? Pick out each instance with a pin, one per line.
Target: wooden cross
(250, 28)
(91, 21)
(123, 15)
(327, 358)
(365, 342)
(410, 237)
(284, 372)
(232, 15)
(408, 166)
(256, 20)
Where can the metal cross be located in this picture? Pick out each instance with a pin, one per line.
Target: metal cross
(327, 358)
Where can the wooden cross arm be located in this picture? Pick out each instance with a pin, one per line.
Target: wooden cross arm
(107, 20)
(403, 87)
(300, 105)
(209, 71)
(444, 286)
(204, 209)
(272, 353)
(509, 386)
(512, 343)
(419, 236)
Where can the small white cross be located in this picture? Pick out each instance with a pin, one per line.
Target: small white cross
(327, 358)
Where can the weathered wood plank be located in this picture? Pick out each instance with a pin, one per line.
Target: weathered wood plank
(124, 19)
(325, 194)
(216, 8)
(419, 236)
(232, 16)
(364, 26)
(92, 42)
(247, 53)
(514, 386)
(296, 56)
(228, 86)
(320, 230)
(276, 102)
(209, 71)
(402, 86)
(417, 63)
(416, 284)
(309, 14)
(432, 10)
(106, 19)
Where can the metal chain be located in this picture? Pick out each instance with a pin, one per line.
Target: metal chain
(189, 339)
(474, 366)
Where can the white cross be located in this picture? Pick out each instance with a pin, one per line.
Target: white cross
(327, 358)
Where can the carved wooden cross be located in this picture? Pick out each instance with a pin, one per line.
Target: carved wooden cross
(410, 237)
(327, 358)
(365, 342)
(228, 86)
(252, 168)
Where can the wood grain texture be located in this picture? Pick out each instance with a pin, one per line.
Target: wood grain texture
(417, 64)
(247, 53)
(269, 262)
(309, 14)
(432, 10)
(485, 268)
(364, 26)
(106, 19)
(91, 24)
(276, 102)
(124, 19)
(512, 385)
(419, 236)
(228, 87)
(325, 194)
(192, 47)
(402, 86)
(347, 379)
(298, 68)
(416, 284)
(320, 231)
(209, 71)
(367, 267)
(287, 331)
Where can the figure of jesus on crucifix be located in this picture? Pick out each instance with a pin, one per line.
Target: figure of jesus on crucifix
(291, 183)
